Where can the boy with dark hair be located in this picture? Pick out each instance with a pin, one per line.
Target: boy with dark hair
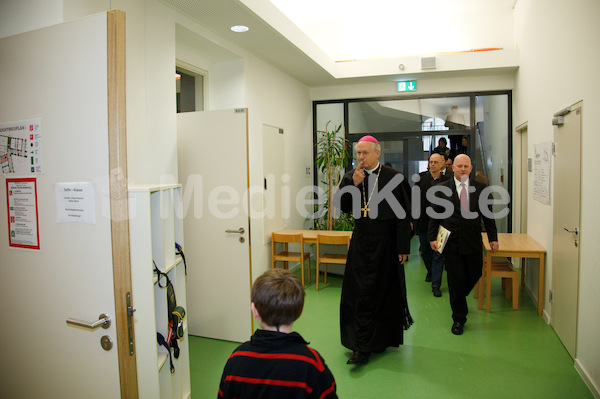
(276, 362)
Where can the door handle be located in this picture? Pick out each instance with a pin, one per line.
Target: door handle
(239, 231)
(572, 231)
(103, 321)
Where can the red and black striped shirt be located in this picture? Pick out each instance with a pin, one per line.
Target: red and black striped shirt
(276, 365)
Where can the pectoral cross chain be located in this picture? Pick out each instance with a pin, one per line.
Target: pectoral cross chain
(366, 207)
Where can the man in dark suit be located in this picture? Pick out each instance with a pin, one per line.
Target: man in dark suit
(434, 261)
(458, 208)
(444, 169)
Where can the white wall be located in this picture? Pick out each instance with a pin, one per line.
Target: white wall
(275, 99)
(237, 79)
(559, 58)
(225, 69)
(151, 133)
(226, 85)
(25, 15)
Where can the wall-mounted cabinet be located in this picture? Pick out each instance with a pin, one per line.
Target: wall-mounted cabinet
(155, 226)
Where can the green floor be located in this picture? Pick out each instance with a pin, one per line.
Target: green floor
(501, 354)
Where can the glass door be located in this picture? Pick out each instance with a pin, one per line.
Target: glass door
(407, 155)
(409, 129)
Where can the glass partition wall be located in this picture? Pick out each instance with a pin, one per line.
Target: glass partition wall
(410, 128)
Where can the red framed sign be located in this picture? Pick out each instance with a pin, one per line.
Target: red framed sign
(22, 207)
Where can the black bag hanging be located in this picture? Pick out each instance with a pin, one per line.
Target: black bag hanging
(171, 305)
(179, 251)
(162, 342)
(172, 320)
(178, 315)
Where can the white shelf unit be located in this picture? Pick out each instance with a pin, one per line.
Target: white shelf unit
(156, 224)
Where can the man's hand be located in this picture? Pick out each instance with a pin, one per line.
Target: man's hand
(494, 245)
(433, 245)
(359, 175)
(402, 258)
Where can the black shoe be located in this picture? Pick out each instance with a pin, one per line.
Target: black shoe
(436, 292)
(457, 328)
(359, 358)
(428, 278)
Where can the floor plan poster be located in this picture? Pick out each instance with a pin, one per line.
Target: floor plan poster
(23, 224)
(21, 147)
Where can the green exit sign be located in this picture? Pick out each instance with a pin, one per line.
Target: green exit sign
(409, 85)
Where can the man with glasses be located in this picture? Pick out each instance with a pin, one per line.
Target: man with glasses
(373, 308)
(434, 261)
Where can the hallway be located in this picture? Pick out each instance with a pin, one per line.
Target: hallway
(503, 353)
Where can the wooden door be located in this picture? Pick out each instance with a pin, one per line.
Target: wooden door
(213, 169)
(566, 234)
(69, 80)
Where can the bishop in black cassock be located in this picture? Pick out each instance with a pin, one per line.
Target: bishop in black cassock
(374, 309)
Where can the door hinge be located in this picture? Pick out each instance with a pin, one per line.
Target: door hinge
(130, 310)
(550, 296)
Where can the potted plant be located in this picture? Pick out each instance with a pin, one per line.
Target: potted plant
(333, 155)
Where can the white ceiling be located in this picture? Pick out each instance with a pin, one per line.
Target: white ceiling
(355, 30)
(308, 48)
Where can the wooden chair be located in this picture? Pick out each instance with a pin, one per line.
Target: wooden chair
(285, 256)
(501, 267)
(325, 258)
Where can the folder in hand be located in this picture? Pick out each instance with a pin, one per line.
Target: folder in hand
(442, 238)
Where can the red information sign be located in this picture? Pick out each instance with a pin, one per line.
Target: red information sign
(22, 207)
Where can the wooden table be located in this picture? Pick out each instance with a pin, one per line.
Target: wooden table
(514, 245)
(310, 236)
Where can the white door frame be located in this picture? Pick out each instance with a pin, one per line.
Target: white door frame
(566, 216)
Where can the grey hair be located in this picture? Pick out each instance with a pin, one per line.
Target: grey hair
(376, 146)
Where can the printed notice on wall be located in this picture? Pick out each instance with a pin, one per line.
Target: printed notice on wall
(21, 147)
(23, 223)
(541, 172)
(75, 203)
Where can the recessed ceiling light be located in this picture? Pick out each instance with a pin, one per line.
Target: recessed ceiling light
(239, 28)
